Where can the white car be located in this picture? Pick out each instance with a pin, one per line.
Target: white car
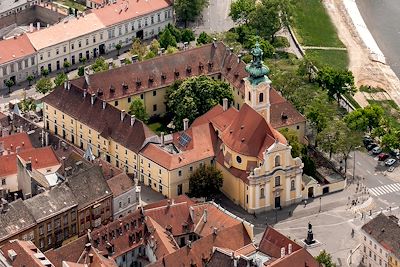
(377, 150)
(390, 162)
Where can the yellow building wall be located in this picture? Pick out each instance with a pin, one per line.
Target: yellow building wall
(393, 261)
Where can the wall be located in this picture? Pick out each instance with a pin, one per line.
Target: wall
(128, 202)
(19, 69)
(11, 182)
(374, 254)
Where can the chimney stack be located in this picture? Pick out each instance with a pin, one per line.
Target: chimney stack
(87, 79)
(68, 84)
(162, 139)
(38, 25)
(239, 58)
(205, 214)
(289, 249)
(47, 139)
(215, 42)
(133, 119)
(104, 104)
(31, 27)
(28, 165)
(90, 258)
(282, 252)
(93, 98)
(185, 124)
(65, 85)
(225, 104)
(84, 93)
(122, 115)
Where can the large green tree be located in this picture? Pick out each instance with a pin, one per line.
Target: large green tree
(138, 49)
(9, 83)
(60, 78)
(293, 140)
(265, 19)
(100, 65)
(167, 39)
(44, 85)
(336, 81)
(188, 10)
(241, 9)
(347, 141)
(138, 109)
(194, 96)
(328, 137)
(205, 181)
(325, 258)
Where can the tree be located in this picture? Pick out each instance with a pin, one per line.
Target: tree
(171, 50)
(9, 84)
(325, 258)
(154, 46)
(66, 65)
(175, 32)
(194, 96)
(188, 10)
(266, 46)
(45, 72)
(241, 9)
(138, 49)
(60, 79)
(118, 47)
(337, 82)
(149, 55)
(137, 108)
(205, 181)
(100, 65)
(328, 137)
(44, 85)
(204, 38)
(188, 35)
(265, 19)
(30, 79)
(319, 112)
(293, 140)
(347, 141)
(167, 39)
(82, 60)
(309, 166)
(363, 119)
(81, 71)
(391, 139)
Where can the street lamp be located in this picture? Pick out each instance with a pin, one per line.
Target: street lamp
(320, 198)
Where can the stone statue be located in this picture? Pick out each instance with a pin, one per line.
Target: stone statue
(310, 236)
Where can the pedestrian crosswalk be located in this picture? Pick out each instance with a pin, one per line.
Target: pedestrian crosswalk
(384, 189)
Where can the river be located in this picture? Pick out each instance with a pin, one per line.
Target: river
(383, 21)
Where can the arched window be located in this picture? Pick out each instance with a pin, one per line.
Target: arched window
(262, 192)
(261, 97)
(277, 160)
(239, 159)
(292, 187)
(249, 96)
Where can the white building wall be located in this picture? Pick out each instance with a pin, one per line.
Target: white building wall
(8, 7)
(373, 254)
(18, 69)
(125, 203)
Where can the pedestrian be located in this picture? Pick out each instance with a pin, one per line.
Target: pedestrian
(305, 203)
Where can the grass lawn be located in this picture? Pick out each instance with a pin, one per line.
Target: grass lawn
(313, 26)
(73, 4)
(392, 111)
(371, 90)
(334, 58)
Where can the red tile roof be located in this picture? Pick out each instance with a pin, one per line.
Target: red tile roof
(43, 157)
(25, 251)
(70, 252)
(164, 202)
(15, 48)
(300, 257)
(201, 250)
(128, 9)
(280, 106)
(161, 241)
(120, 184)
(272, 242)
(11, 142)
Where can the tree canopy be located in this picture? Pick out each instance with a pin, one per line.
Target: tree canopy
(203, 38)
(100, 65)
(188, 10)
(364, 119)
(293, 140)
(154, 46)
(44, 85)
(241, 9)
(205, 181)
(138, 49)
(194, 96)
(325, 258)
(167, 39)
(138, 109)
(60, 78)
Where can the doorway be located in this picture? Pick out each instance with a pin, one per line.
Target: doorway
(102, 49)
(139, 34)
(277, 202)
(311, 192)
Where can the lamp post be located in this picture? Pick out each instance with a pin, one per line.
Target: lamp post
(320, 198)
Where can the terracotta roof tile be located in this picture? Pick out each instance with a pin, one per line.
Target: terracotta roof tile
(165, 243)
(15, 48)
(11, 142)
(43, 157)
(69, 252)
(25, 251)
(283, 113)
(241, 174)
(164, 202)
(272, 242)
(300, 257)
(120, 184)
(105, 121)
(128, 9)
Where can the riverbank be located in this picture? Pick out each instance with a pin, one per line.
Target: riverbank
(367, 68)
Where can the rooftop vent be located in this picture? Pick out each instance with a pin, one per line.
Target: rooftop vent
(201, 66)
(189, 69)
(112, 89)
(124, 86)
(176, 72)
(138, 82)
(284, 116)
(163, 76)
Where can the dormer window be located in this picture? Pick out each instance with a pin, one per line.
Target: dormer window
(112, 89)
(176, 72)
(151, 78)
(201, 66)
(163, 76)
(138, 82)
(189, 69)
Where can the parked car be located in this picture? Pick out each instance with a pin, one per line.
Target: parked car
(383, 156)
(390, 162)
(367, 141)
(376, 150)
(371, 146)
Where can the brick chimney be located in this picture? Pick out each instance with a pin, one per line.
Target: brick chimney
(133, 119)
(185, 124)
(225, 104)
(122, 115)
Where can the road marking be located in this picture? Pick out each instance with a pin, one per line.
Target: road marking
(358, 163)
(385, 189)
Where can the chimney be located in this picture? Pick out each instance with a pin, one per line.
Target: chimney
(104, 104)
(162, 139)
(215, 230)
(133, 119)
(28, 165)
(90, 258)
(191, 212)
(68, 84)
(235, 260)
(84, 93)
(215, 42)
(38, 25)
(63, 164)
(239, 58)
(65, 85)
(189, 244)
(47, 138)
(92, 99)
(205, 213)
(282, 252)
(31, 27)
(11, 254)
(87, 76)
(289, 249)
(122, 115)
(185, 124)
(225, 104)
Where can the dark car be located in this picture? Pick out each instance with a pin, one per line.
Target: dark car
(371, 146)
(367, 141)
(383, 156)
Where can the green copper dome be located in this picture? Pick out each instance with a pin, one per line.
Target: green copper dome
(257, 70)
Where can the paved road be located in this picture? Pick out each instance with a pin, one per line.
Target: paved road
(215, 18)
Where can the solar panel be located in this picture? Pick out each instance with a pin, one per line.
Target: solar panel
(184, 139)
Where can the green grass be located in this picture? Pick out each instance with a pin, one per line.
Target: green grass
(156, 127)
(72, 4)
(371, 90)
(313, 25)
(392, 111)
(334, 58)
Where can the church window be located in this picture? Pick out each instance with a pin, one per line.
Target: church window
(292, 185)
(249, 96)
(277, 160)
(261, 97)
(262, 192)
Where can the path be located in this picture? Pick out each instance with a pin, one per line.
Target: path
(324, 48)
